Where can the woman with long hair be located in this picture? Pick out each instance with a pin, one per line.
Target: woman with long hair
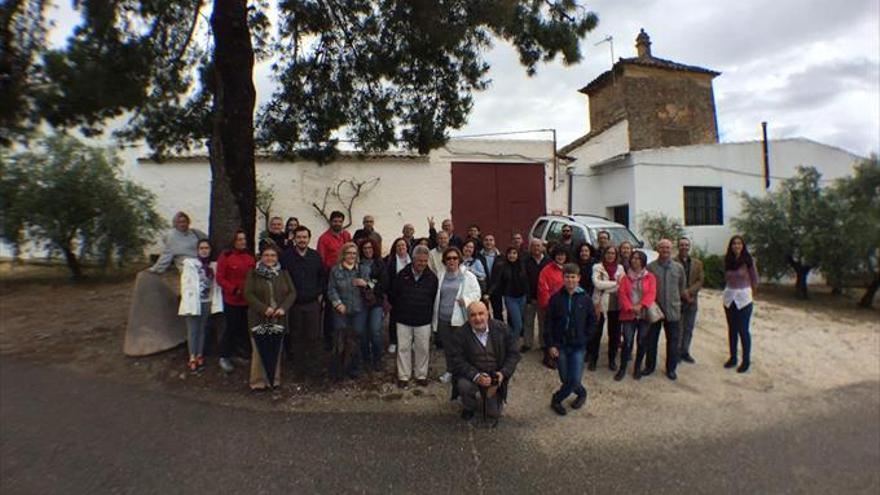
(606, 276)
(233, 267)
(373, 343)
(584, 257)
(740, 282)
(512, 285)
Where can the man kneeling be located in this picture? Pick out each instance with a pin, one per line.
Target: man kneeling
(483, 359)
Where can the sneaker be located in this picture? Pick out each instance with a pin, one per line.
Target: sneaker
(558, 408)
(226, 365)
(392, 349)
(200, 362)
(193, 365)
(446, 377)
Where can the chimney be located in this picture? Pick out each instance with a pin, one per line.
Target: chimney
(643, 44)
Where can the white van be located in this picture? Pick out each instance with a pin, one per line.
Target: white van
(548, 228)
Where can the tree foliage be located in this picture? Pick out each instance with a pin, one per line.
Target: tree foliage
(22, 39)
(381, 73)
(69, 199)
(656, 226)
(803, 227)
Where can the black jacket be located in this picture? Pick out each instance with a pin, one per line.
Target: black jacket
(572, 325)
(587, 276)
(465, 348)
(413, 300)
(533, 270)
(379, 277)
(306, 272)
(509, 279)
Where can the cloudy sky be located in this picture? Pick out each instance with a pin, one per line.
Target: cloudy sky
(811, 68)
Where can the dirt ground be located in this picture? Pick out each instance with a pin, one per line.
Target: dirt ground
(801, 350)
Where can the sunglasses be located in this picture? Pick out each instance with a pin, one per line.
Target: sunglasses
(451, 258)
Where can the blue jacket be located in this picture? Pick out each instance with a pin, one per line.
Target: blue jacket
(570, 319)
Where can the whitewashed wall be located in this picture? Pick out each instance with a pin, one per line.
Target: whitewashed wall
(611, 142)
(653, 180)
(408, 191)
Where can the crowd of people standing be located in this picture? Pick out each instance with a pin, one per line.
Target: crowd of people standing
(483, 306)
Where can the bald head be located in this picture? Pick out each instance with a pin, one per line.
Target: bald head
(664, 249)
(478, 316)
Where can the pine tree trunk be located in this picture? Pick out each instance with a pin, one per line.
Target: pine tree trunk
(233, 182)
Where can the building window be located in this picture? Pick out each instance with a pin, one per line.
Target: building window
(702, 206)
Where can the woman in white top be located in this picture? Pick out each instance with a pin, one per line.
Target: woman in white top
(606, 276)
(200, 297)
(457, 287)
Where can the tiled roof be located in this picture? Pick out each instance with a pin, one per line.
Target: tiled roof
(262, 157)
(658, 63)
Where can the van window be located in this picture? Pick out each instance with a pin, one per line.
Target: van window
(538, 233)
(554, 233)
(577, 234)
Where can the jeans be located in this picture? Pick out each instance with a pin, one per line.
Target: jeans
(195, 326)
(571, 371)
(688, 321)
(372, 343)
(671, 330)
(236, 337)
(515, 306)
(613, 337)
(738, 328)
(358, 323)
(634, 332)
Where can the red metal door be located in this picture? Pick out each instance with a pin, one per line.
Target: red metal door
(502, 198)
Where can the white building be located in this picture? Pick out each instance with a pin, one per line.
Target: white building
(653, 148)
(501, 185)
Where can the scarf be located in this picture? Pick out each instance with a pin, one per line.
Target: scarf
(268, 272)
(206, 266)
(611, 269)
(637, 277)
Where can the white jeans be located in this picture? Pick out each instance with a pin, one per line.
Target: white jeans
(413, 341)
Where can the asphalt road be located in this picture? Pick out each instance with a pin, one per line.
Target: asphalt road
(67, 433)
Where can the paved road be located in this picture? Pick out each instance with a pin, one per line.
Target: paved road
(66, 433)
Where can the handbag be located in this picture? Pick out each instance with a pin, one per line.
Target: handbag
(653, 313)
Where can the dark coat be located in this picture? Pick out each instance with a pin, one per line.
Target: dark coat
(556, 323)
(533, 270)
(413, 300)
(379, 278)
(509, 279)
(306, 272)
(465, 348)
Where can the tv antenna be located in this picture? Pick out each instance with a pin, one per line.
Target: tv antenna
(610, 40)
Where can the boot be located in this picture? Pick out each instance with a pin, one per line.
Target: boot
(621, 372)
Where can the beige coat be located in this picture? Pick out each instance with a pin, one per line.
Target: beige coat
(603, 286)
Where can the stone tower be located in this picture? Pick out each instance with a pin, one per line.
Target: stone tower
(665, 102)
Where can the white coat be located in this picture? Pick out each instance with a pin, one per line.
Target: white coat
(469, 291)
(190, 300)
(603, 286)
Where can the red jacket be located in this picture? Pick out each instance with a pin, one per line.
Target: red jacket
(329, 245)
(624, 295)
(550, 280)
(232, 269)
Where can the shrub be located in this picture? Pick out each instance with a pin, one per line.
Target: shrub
(655, 226)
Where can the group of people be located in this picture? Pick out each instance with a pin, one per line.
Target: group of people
(481, 306)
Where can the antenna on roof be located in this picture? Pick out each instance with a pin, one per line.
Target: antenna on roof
(610, 40)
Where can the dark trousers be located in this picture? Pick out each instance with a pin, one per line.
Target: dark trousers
(445, 332)
(570, 366)
(469, 393)
(327, 323)
(613, 338)
(671, 331)
(634, 332)
(688, 321)
(304, 322)
(392, 328)
(236, 339)
(497, 306)
(738, 320)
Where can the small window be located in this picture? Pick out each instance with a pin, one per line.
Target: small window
(702, 206)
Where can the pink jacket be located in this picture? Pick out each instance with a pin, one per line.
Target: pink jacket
(624, 295)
